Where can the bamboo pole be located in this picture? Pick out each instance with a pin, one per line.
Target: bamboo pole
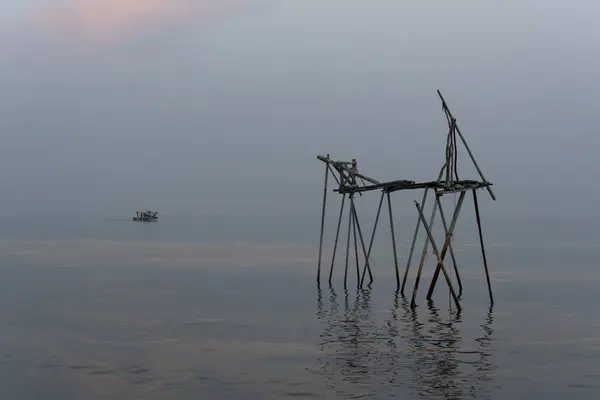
(356, 254)
(362, 242)
(446, 109)
(440, 263)
(448, 239)
(416, 234)
(487, 273)
(423, 254)
(322, 223)
(350, 220)
(337, 236)
(372, 236)
(389, 200)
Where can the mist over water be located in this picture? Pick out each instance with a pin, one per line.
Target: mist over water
(147, 315)
(211, 112)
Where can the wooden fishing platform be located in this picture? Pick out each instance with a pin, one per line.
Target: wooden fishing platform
(350, 182)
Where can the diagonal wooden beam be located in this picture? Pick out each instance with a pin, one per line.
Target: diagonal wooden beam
(440, 263)
(423, 254)
(362, 241)
(416, 234)
(449, 231)
(487, 273)
(462, 138)
(344, 166)
(372, 237)
(337, 237)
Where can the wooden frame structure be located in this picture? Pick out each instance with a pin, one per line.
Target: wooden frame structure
(351, 182)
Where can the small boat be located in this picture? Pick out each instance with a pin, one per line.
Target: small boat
(147, 215)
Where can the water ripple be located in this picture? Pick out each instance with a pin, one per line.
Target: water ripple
(404, 354)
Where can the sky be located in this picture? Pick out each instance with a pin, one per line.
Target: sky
(221, 106)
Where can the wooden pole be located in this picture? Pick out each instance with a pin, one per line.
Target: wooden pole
(344, 166)
(414, 241)
(389, 200)
(454, 263)
(356, 254)
(322, 222)
(423, 255)
(448, 239)
(350, 220)
(412, 246)
(362, 241)
(373, 235)
(487, 273)
(337, 236)
(440, 264)
(333, 174)
(455, 125)
(449, 157)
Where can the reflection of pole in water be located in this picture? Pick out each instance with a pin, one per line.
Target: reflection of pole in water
(484, 367)
(320, 305)
(440, 366)
(333, 302)
(416, 358)
(392, 335)
(323, 316)
(348, 342)
(445, 366)
(355, 338)
(406, 355)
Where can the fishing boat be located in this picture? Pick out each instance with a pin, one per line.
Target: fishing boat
(147, 215)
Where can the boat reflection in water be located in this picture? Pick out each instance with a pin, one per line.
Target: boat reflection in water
(366, 354)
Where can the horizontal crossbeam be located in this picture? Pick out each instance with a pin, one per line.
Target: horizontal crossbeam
(393, 186)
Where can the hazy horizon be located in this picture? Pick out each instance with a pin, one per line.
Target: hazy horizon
(222, 106)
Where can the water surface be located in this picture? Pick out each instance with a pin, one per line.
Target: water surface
(125, 310)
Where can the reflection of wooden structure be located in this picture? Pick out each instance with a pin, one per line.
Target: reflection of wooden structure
(351, 182)
(404, 354)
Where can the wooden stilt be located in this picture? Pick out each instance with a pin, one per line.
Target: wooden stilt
(448, 233)
(452, 256)
(362, 242)
(414, 240)
(389, 200)
(440, 264)
(350, 220)
(487, 273)
(372, 237)
(356, 254)
(322, 222)
(423, 255)
(337, 236)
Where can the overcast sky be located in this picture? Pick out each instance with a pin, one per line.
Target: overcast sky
(216, 106)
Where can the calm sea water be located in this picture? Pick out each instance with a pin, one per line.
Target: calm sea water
(228, 308)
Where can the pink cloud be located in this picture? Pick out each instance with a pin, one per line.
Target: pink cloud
(107, 22)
